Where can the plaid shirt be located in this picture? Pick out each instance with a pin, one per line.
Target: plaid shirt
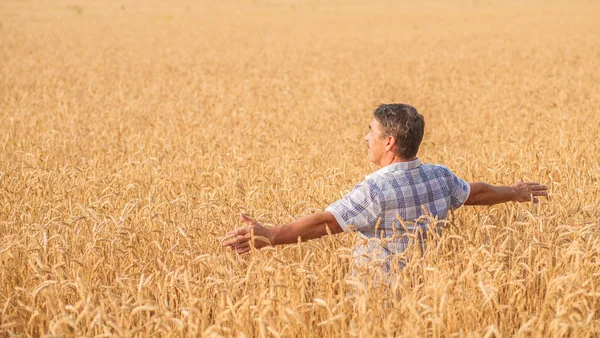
(399, 198)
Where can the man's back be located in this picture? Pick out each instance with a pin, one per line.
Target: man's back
(396, 201)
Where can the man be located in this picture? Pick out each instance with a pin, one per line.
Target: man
(403, 197)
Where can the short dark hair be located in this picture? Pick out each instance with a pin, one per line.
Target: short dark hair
(405, 124)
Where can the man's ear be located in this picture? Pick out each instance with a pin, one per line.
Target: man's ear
(390, 143)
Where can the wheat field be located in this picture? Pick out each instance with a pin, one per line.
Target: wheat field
(132, 134)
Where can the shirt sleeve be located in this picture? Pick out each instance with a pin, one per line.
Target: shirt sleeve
(360, 208)
(459, 190)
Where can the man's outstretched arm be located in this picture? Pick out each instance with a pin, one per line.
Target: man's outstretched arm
(305, 228)
(487, 194)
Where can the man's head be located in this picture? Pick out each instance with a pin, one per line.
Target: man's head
(396, 131)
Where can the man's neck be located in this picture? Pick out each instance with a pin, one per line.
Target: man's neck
(393, 158)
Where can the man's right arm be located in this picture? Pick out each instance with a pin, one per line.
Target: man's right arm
(308, 227)
(487, 194)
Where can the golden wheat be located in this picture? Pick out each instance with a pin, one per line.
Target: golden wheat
(133, 133)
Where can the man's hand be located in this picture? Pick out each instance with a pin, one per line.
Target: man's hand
(527, 191)
(252, 232)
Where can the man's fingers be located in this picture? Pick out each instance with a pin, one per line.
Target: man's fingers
(229, 238)
(237, 236)
(536, 189)
(246, 220)
(239, 239)
(536, 186)
(230, 242)
(241, 245)
(242, 251)
(244, 238)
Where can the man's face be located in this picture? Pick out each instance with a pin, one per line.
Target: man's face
(376, 143)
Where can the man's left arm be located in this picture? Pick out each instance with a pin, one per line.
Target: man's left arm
(486, 194)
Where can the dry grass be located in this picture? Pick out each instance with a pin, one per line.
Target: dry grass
(132, 134)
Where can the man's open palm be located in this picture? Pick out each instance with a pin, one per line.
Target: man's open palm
(527, 191)
(241, 239)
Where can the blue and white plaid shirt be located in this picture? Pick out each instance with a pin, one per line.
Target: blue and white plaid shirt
(395, 200)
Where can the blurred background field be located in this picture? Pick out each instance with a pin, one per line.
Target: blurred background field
(132, 133)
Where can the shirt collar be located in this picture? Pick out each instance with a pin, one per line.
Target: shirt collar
(396, 166)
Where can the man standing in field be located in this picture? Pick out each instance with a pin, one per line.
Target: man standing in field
(403, 197)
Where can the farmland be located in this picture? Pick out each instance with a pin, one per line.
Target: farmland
(132, 134)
